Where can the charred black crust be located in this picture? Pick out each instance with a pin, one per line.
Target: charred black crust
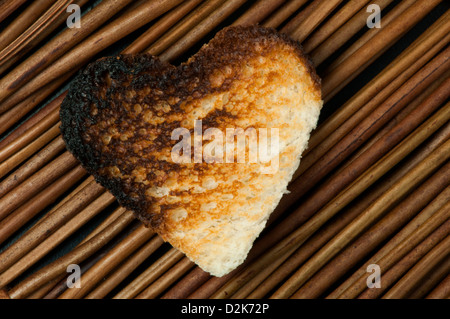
(230, 47)
(75, 111)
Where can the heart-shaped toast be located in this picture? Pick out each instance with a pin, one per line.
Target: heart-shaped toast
(161, 138)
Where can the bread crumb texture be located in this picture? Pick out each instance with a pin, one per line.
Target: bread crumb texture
(119, 114)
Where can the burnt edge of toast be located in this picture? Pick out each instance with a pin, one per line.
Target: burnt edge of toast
(229, 47)
(75, 111)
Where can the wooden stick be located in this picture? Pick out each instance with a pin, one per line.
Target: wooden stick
(407, 283)
(411, 119)
(377, 209)
(50, 223)
(36, 33)
(295, 239)
(4, 294)
(351, 67)
(355, 284)
(31, 166)
(368, 126)
(370, 33)
(394, 75)
(182, 27)
(59, 284)
(58, 46)
(311, 21)
(111, 260)
(434, 277)
(29, 135)
(155, 271)
(28, 150)
(161, 26)
(56, 286)
(343, 34)
(8, 7)
(125, 269)
(27, 211)
(89, 180)
(300, 17)
(17, 110)
(129, 50)
(366, 161)
(337, 224)
(267, 273)
(442, 291)
(395, 273)
(394, 266)
(335, 22)
(43, 290)
(117, 213)
(23, 21)
(34, 183)
(56, 238)
(274, 20)
(30, 102)
(82, 53)
(190, 284)
(165, 281)
(363, 103)
(398, 118)
(374, 236)
(402, 68)
(401, 117)
(21, 108)
(205, 26)
(76, 256)
(334, 206)
(258, 11)
(25, 126)
(331, 188)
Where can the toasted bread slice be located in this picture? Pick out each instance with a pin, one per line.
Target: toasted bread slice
(120, 113)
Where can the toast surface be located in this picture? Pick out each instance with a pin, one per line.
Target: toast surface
(119, 117)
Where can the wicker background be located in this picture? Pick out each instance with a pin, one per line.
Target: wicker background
(372, 188)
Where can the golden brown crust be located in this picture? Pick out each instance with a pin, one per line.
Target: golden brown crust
(120, 111)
